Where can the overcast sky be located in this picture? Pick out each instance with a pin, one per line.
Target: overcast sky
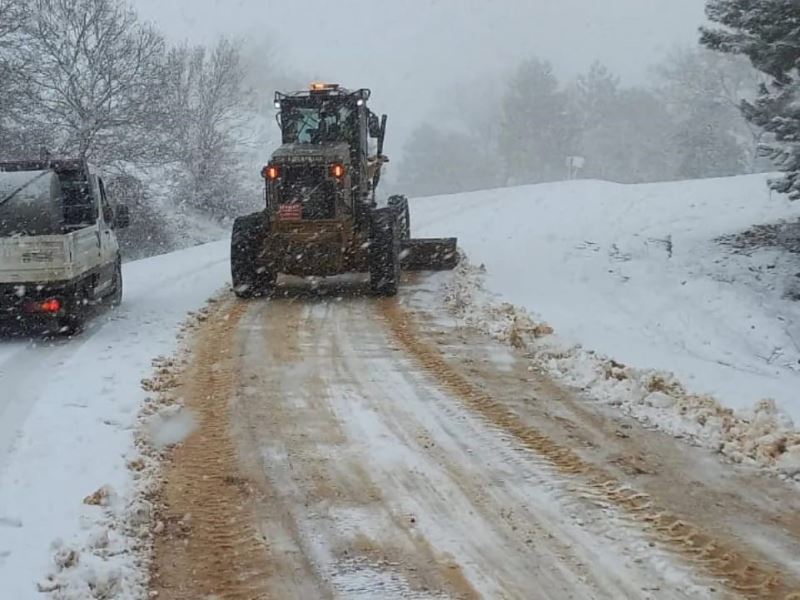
(408, 51)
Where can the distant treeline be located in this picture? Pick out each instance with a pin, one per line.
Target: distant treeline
(729, 106)
(524, 129)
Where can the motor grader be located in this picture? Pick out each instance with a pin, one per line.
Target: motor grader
(322, 217)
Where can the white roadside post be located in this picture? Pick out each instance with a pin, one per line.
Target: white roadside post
(574, 165)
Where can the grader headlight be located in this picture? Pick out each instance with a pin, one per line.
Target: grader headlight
(271, 172)
(337, 171)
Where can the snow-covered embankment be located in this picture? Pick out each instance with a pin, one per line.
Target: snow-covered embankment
(68, 413)
(650, 312)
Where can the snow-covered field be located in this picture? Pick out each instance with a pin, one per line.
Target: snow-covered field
(633, 272)
(67, 413)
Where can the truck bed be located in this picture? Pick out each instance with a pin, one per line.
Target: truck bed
(48, 258)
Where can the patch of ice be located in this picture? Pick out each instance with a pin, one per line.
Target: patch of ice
(357, 579)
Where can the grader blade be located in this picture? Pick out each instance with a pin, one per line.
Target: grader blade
(429, 254)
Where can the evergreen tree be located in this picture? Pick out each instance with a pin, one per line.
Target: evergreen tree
(768, 33)
(644, 137)
(436, 161)
(538, 131)
(626, 134)
(596, 102)
(596, 95)
(706, 147)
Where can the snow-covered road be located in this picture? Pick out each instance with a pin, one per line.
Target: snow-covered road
(67, 409)
(349, 447)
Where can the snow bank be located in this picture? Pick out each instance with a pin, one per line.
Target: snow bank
(705, 341)
(634, 272)
(763, 436)
(73, 477)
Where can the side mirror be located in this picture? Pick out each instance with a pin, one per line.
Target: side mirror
(374, 126)
(122, 219)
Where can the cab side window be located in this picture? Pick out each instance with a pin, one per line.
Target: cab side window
(108, 212)
(80, 209)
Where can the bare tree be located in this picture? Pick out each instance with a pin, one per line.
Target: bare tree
(702, 81)
(13, 14)
(95, 76)
(206, 111)
(12, 19)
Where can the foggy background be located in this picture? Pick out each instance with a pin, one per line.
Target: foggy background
(410, 53)
(480, 94)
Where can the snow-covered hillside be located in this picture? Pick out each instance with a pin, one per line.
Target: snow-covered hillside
(634, 272)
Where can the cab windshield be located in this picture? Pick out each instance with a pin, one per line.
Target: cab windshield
(318, 124)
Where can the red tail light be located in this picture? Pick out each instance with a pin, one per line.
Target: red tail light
(53, 305)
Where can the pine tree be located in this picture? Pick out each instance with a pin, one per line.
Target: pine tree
(596, 95)
(596, 100)
(438, 161)
(537, 130)
(706, 147)
(625, 133)
(768, 33)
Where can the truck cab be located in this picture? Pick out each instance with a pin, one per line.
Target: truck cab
(59, 252)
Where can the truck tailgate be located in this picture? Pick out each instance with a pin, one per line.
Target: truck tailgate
(39, 259)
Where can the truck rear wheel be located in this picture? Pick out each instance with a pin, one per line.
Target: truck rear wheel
(115, 297)
(76, 305)
(384, 252)
(250, 277)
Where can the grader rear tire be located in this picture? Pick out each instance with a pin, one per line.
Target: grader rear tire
(250, 277)
(400, 205)
(384, 252)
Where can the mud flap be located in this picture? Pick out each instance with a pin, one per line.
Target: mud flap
(429, 254)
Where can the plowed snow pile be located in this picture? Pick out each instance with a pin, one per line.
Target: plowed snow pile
(705, 339)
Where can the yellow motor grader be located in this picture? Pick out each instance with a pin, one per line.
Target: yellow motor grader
(322, 217)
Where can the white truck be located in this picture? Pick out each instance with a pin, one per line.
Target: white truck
(59, 253)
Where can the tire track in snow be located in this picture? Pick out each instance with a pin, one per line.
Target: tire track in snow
(210, 546)
(374, 483)
(722, 559)
(325, 517)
